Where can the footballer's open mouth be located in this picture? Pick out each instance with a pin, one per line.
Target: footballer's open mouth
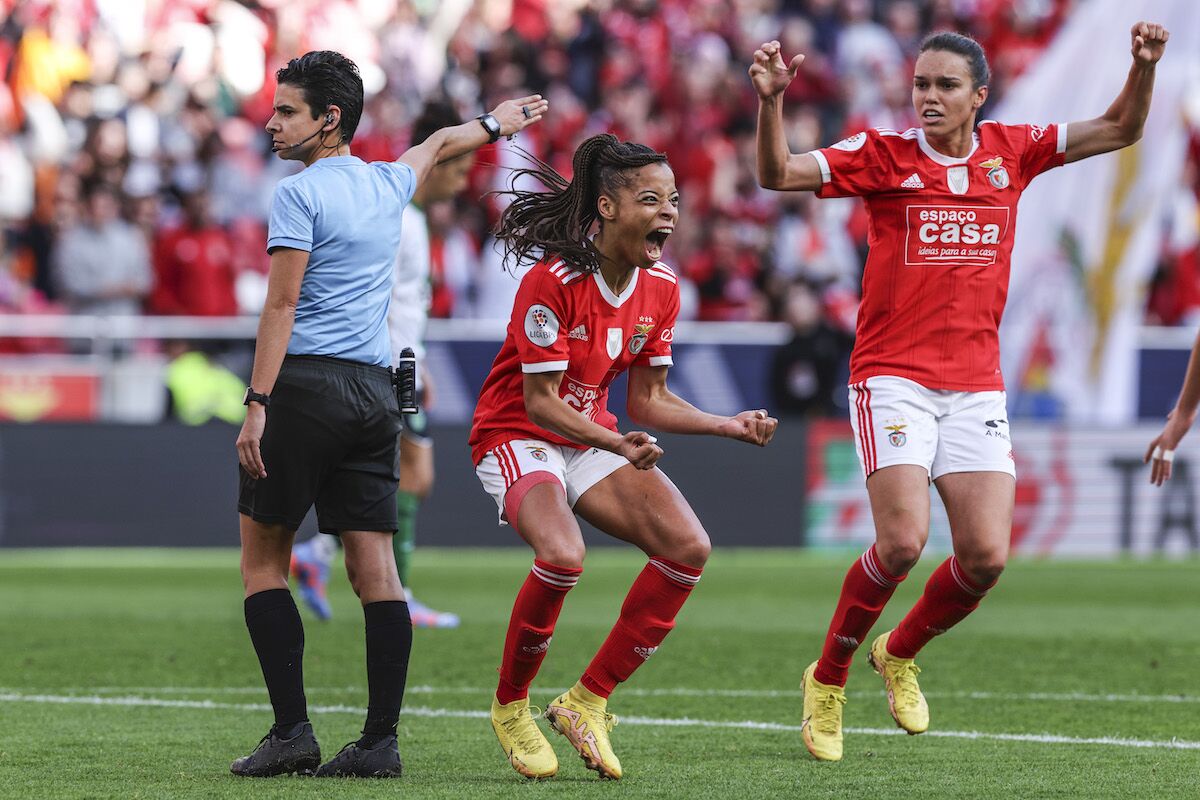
(656, 240)
(932, 116)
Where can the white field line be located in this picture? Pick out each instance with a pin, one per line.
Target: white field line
(631, 691)
(677, 722)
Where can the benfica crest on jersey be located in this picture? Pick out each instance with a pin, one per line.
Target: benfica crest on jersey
(638, 340)
(997, 175)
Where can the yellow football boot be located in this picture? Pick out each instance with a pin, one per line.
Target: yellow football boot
(822, 725)
(522, 740)
(905, 700)
(583, 718)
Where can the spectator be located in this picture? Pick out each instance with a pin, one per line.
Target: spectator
(101, 264)
(142, 98)
(726, 275)
(193, 264)
(808, 374)
(199, 389)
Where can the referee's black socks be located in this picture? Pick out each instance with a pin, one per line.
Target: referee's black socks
(278, 637)
(389, 642)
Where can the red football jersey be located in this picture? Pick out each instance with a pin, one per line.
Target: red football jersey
(941, 238)
(568, 321)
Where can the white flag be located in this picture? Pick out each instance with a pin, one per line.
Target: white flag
(1089, 234)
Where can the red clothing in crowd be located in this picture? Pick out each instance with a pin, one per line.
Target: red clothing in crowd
(193, 273)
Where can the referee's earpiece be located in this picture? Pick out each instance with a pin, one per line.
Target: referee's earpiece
(329, 118)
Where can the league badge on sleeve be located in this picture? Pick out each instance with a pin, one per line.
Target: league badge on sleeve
(997, 175)
(851, 143)
(541, 325)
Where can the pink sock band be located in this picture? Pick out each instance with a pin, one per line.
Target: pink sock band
(516, 493)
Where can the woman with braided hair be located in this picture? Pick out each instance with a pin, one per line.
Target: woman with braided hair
(598, 302)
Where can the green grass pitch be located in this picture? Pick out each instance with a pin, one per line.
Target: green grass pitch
(129, 674)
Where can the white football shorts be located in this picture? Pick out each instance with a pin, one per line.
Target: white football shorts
(576, 470)
(898, 421)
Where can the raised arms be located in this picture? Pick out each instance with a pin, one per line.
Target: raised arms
(450, 143)
(1121, 125)
(778, 168)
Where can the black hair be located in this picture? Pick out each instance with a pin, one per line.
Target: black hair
(965, 46)
(94, 186)
(327, 79)
(436, 114)
(560, 220)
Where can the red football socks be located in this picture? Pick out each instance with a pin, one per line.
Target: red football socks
(865, 592)
(531, 627)
(647, 616)
(949, 596)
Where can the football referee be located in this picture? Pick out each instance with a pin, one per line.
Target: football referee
(322, 420)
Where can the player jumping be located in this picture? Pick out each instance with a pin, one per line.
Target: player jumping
(546, 446)
(925, 386)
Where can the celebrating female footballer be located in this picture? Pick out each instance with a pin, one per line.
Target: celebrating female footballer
(545, 444)
(926, 388)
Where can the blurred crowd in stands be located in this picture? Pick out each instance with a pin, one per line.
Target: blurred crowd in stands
(135, 175)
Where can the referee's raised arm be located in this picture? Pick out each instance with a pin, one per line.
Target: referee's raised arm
(506, 119)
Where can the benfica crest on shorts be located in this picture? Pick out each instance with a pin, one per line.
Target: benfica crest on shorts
(997, 175)
(638, 340)
(897, 436)
(537, 452)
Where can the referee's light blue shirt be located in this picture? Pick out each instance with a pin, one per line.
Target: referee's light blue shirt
(346, 214)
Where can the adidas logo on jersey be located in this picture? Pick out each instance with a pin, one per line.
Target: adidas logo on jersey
(912, 182)
(579, 332)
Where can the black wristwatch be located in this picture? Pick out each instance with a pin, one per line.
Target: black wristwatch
(254, 397)
(491, 125)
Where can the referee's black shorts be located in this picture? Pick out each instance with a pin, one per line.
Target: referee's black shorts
(331, 438)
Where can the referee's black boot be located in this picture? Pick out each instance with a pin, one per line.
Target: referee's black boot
(276, 755)
(381, 759)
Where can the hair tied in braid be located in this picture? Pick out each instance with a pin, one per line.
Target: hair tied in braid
(560, 219)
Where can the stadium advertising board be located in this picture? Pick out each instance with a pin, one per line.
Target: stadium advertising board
(1080, 492)
(30, 395)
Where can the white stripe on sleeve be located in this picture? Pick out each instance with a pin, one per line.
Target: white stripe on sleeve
(826, 175)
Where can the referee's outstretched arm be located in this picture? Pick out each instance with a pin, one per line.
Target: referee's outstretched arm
(506, 119)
